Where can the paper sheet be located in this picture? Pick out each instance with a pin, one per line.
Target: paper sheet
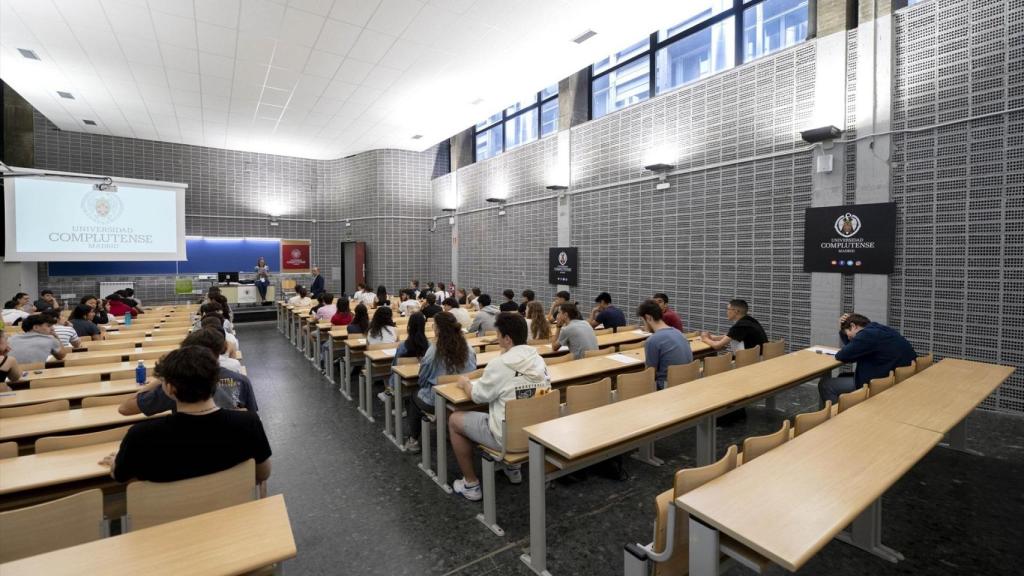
(623, 358)
(824, 350)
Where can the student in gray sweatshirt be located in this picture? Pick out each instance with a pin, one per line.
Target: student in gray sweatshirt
(484, 321)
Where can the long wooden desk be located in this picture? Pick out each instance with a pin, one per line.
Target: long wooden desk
(68, 392)
(100, 370)
(49, 469)
(225, 542)
(174, 331)
(142, 341)
(128, 354)
(26, 428)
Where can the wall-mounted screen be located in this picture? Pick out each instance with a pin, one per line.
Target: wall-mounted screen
(858, 239)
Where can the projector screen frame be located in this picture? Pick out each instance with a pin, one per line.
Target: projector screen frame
(12, 254)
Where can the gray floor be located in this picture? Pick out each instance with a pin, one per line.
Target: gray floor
(358, 506)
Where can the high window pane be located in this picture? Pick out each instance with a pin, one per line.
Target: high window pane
(627, 85)
(496, 117)
(697, 12)
(621, 56)
(549, 92)
(773, 25)
(524, 103)
(695, 56)
(521, 129)
(548, 117)
(488, 143)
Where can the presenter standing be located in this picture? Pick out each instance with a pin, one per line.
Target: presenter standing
(262, 278)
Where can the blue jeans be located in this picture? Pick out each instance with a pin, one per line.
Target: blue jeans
(831, 388)
(261, 285)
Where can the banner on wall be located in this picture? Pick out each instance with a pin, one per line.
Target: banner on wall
(295, 256)
(854, 239)
(563, 266)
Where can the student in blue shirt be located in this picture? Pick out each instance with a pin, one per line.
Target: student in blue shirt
(876, 348)
(604, 314)
(666, 345)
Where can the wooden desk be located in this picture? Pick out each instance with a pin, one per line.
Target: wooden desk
(114, 355)
(35, 471)
(183, 331)
(69, 392)
(229, 541)
(790, 502)
(27, 428)
(142, 341)
(96, 369)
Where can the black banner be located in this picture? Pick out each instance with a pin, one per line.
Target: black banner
(563, 266)
(857, 239)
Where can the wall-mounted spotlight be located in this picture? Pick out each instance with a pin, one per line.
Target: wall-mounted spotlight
(501, 204)
(557, 187)
(825, 133)
(347, 223)
(274, 222)
(451, 215)
(661, 169)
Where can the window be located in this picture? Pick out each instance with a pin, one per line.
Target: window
(521, 129)
(714, 35)
(488, 142)
(548, 117)
(533, 117)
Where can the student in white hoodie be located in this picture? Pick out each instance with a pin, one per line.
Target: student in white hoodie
(519, 372)
(484, 321)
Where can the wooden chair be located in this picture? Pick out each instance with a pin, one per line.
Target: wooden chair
(878, 385)
(758, 445)
(599, 352)
(53, 443)
(631, 346)
(904, 372)
(682, 373)
(53, 525)
(124, 374)
(747, 356)
(550, 360)
(633, 384)
(851, 399)
(804, 422)
(492, 348)
(773, 349)
(717, 364)
(65, 381)
(72, 360)
(41, 408)
(925, 361)
(586, 396)
(8, 450)
(105, 400)
(153, 503)
(32, 366)
(603, 331)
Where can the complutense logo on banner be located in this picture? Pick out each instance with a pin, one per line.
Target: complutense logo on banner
(562, 258)
(859, 238)
(563, 264)
(847, 225)
(296, 257)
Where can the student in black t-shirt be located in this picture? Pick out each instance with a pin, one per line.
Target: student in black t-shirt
(200, 438)
(509, 305)
(528, 296)
(746, 331)
(431, 308)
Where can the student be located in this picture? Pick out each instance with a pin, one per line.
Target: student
(518, 373)
(485, 318)
(47, 302)
(451, 305)
(604, 314)
(415, 344)
(666, 345)
(360, 320)
(63, 330)
(226, 313)
(199, 438)
(509, 305)
(343, 315)
(462, 297)
(414, 287)
(224, 353)
(431, 307)
(217, 323)
(381, 298)
(328, 310)
(358, 294)
(382, 328)
(367, 297)
(537, 323)
(441, 294)
(407, 305)
(9, 369)
(13, 314)
(528, 296)
(473, 300)
(21, 300)
(430, 289)
(668, 315)
(37, 342)
(746, 331)
(301, 298)
(561, 297)
(317, 286)
(876, 348)
(118, 307)
(128, 295)
(572, 331)
(82, 322)
(318, 303)
(449, 354)
(99, 308)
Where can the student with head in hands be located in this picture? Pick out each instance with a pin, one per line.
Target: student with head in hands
(604, 314)
(874, 347)
(82, 322)
(561, 297)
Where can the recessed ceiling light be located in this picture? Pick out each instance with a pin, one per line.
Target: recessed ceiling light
(89, 122)
(584, 37)
(31, 55)
(66, 95)
(477, 102)
(417, 136)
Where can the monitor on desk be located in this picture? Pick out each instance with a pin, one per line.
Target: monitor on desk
(227, 277)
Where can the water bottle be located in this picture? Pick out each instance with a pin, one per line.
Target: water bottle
(140, 373)
(128, 319)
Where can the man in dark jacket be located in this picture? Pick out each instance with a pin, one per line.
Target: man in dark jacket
(876, 348)
(317, 287)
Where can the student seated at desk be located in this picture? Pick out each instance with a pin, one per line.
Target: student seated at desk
(128, 295)
(509, 305)
(415, 344)
(99, 308)
(461, 297)
(200, 438)
(528, 296)
(365, 296)
(407, 305)
(876, 348)
(318, 303)
(382, 327)
(118, 307)
(326, 311)
(63, 330)
(448, 354)
(381, 298)
(9, 369)
(227, 355)
(572, 331)
(13, 313)
(561, 297)
(82, 322)
(343, 314)
(474, 298)
(37, 342)
(537, 324)
(485, 318)
(451, 305)
(414, 289)
(431, 308)
(441, 294)
(667, 314)
(519, 372)
(360, 320)
(225, 312)
(604, 314)
(666, 345)
(47, 302)
(233, 391)
(746, 332)
(301, 298)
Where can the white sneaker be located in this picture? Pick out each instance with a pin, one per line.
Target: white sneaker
(473, 492)
(412, 445)
(513, 473)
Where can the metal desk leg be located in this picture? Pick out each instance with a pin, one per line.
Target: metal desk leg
(346, 374)
(441, 421)
(704, 552)
(866, 533)
(316, 353)
(956, 439)
(646, 455)
(366, 390)
(425, 449)
(399, 425)
(769, 403)
(706, 440)
(537, 558)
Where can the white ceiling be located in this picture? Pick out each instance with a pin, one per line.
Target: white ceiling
(310, 78)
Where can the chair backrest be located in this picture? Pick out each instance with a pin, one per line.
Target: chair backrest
(598, 352)
(804, 422)
(689, 479)
(549, 360)
(152, 503)
(52, 443)
(122, 374)
(747, 356)
(382, 346)
(407, 360)
(586, 396)
(72, 360)
(851, 399)
(773, 349)
(492, 347)
(758, 445)
(450, 378)
(682, 373)
(43, 407)
(904, 372)
(33, 366)
(603, 331)
(878, 385)
(717, 364)
(633, 384)
(631, 346)
(287, 285)
(925, 361)
(105, 400)
(525, 412)
(64, 381)
(8, 450)
(69, 521)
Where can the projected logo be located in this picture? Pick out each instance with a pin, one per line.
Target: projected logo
(102, 207)
(847, 225)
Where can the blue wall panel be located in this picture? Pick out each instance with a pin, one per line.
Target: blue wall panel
(205, 256)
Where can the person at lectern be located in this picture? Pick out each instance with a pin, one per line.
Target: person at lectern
(262, 278)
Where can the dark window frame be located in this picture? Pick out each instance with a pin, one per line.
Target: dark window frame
(538, 102)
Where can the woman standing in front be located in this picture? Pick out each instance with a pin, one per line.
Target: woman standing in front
(262, 278)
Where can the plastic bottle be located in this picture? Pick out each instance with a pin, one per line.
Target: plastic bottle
(140, 373)
(128, 319)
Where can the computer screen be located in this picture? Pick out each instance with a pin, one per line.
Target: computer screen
(227, 277)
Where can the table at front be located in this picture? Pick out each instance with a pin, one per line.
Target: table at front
(67, 392)
(24, 428)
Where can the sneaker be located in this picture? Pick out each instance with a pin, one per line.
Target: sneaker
(468, 492)
(514, 474)
(412, 445)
